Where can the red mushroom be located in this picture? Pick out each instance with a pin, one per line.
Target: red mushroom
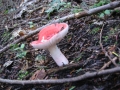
(48, 37)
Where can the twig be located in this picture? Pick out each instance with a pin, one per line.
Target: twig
(24, 7)
(108, 63)
(23, 22)
(76, 15)
(65, 80)
(105, 52)
(31, 11)
(70, 66)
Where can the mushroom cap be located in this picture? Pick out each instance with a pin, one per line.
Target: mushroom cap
(50, 35)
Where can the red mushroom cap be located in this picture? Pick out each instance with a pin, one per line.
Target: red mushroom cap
(50, 35)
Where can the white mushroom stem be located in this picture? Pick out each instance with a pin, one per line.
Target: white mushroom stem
(57, 55)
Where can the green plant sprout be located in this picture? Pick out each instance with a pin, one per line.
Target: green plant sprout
(67, 5)
(95, 30)
(21, 53)
(6, 12)
(113, 32)
(78, 57)
(105, 38)
(101, 3)
(22, 74)
(117, 11)
(40, 57)
(105, 13)
(5, 36)
(110, 33)
(31, 24)
(54, 6)
(76, 9)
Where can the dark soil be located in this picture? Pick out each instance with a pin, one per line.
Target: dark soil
(81, 44)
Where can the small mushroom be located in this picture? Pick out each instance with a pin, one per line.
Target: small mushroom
(48, 37)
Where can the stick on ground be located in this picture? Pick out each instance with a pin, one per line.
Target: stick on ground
(65, 80)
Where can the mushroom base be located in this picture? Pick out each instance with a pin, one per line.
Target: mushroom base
(57, 55)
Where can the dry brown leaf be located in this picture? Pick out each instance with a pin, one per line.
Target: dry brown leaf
(9, 88)
(112, 48)
(21, 33)
(39, 74)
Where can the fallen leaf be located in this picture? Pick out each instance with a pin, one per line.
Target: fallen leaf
(111, 49)
(8, 63)
(21, 33)
(39, 74)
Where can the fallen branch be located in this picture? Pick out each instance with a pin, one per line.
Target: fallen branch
(112, 5)
(65, 80)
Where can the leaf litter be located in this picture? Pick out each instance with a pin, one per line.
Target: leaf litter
(80, 45)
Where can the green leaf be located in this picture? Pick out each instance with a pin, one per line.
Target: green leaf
(22, 74)
(72, 88)
(67, 5)
(17, 49)
(6, 12)
(39, 57)
(50, 10)
(31, 26)
(21, 54)
(107, 12)
(75, 10)
(102, 15)
(13, 46)
(54, 6)
(30, 23)
(77, 71)
(117, 11)
(22, 46)
(24, 53)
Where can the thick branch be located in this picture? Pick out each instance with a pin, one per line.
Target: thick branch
(76, 15)
(65, 80)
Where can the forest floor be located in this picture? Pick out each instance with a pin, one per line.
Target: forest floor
(81, 46)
